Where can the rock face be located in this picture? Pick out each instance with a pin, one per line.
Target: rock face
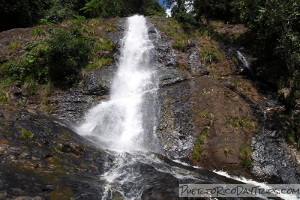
(41, 158)
(274, 160)
(220, 115)
(192, 105)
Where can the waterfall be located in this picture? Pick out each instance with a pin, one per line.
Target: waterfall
(244, 61)
(126, 122)
(125, 126)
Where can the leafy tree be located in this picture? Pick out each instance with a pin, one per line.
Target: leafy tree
(180, 13)
(15, 13)
(121, 8)
(58, 10)
(275, 25)
(24, 13)
(213, 9)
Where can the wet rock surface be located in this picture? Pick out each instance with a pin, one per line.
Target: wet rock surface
(196, 107)
(229, 108)
(274, 160)
(71, 105)
(41, 158)
(176, 126)
(168, 72)
(195, 64)
(192, 105)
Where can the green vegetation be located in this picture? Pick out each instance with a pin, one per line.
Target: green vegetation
(19, 13)
(3, 99)
(245, 155)
(13, 46)
(38, 31)
(174, 31)
(98, 63)
(210, 55)
(102, 48)
(239, 85)
(57, 58)
(122, 8)
(198, 146)
(205, 113)
(68, 53)
(227, 151)
(217, 9)
(241, 122)
(290, 138)
(26, 134)
(59, 147)
(31, 12)
(180, 13)
(273, 34)
(30, 87)
(30, 65)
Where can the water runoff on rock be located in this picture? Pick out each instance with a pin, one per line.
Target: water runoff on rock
(124, 126)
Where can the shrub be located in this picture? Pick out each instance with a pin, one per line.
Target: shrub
(210, 55)
(242, 122)
(38, 31)
(57, 59)
(245, 155)
(68, 53)
(3, 99)
(26, 134)
(58, 10)
(32, 65)
(198, 147)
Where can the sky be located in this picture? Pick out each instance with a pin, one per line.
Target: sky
(161, 2)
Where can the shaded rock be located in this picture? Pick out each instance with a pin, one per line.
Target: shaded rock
(241, 64)
(27, 198)
(297, 106)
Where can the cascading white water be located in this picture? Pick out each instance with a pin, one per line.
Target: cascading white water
(244, 60)
(120, 123)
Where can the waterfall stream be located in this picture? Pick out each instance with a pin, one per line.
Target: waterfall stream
(126, 122)
(244, 61)
(125, 126)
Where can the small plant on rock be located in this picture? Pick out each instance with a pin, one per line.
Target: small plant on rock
(26, 134)
(245, 155)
